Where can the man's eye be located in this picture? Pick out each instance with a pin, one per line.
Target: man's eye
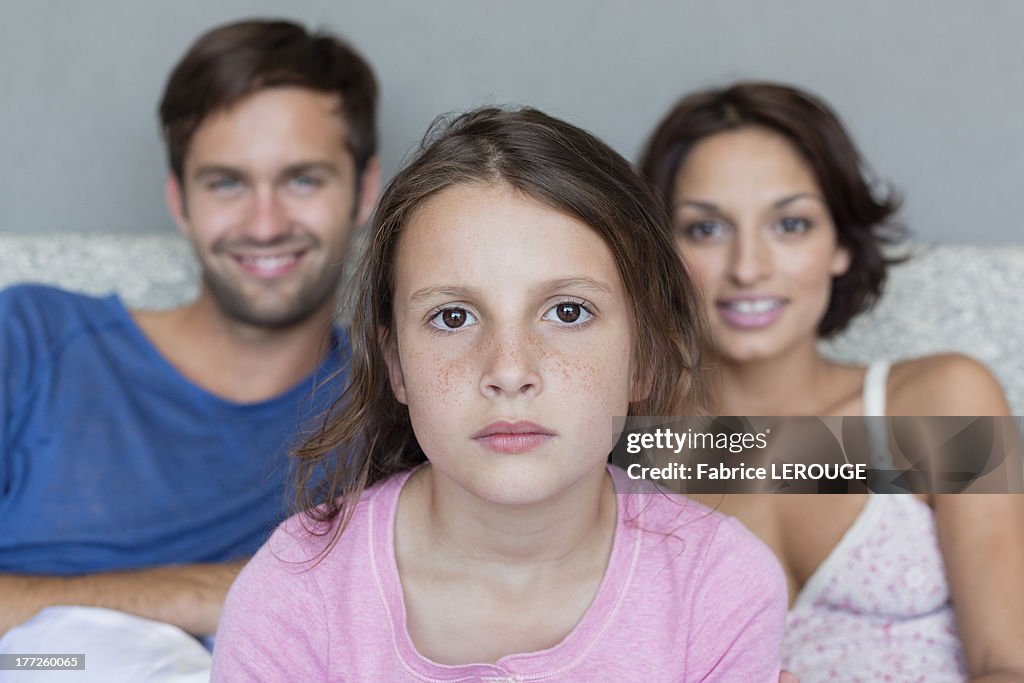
(792, 226)
(223, 184)
(305, 182)
(569, 313)
(452, 318)
(702, 230)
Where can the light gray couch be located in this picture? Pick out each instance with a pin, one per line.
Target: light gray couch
(946, 298)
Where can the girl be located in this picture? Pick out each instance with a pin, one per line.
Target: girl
(519, 291)
(779, 228)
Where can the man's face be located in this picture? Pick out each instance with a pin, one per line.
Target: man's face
(269, 201)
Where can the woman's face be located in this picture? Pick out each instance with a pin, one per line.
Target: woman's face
(513, 343)
(753, 227)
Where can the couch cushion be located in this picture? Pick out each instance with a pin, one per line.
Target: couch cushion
(148, 271)
(949, 298)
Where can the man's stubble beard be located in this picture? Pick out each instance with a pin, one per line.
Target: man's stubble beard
(309, 298)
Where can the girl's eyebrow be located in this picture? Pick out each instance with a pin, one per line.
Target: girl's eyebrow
(575, 283)
(428, 294)
(440, 292)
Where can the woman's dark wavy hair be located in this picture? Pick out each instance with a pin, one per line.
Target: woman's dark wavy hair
(862, 211)
(562, 167)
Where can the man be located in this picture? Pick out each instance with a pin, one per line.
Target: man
(142, 453)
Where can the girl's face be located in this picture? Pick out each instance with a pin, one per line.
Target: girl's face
(513, 343)
(753, 226)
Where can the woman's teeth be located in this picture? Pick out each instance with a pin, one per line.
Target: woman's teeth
(747, 307)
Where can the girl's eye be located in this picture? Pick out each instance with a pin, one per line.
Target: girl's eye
(792, 226)
(569, 312)
(703, 230)
(452, 318)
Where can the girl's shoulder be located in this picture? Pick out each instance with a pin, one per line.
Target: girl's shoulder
(305, 581)
(944, 384)
(708, 566)
(307, 540)
(668, 520)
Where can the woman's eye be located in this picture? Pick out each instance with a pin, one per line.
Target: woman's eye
(569, 312)
(792, 226)
(452, 318)
(702, 230)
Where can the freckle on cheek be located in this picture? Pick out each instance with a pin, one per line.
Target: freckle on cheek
(446, 379)
(578, 374)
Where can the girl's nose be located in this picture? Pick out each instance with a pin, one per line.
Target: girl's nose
(511, 368)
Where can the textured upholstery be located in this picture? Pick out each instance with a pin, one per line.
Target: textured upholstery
(946, 298)
(949, 298)
(147, 271)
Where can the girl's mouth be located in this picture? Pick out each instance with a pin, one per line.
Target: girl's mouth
(519, 436)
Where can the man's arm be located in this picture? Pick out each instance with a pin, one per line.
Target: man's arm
(189, 596)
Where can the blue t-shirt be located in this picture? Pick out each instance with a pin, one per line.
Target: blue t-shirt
(111, 459)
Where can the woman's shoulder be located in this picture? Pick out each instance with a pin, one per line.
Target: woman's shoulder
(944, 384)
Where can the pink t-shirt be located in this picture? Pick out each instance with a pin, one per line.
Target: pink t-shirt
(688, 595)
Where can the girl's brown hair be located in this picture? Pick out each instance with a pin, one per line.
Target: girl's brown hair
(862, 215)
(367, 435)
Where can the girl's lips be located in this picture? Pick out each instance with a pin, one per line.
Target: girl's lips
(517, 436)
(513, 443)
(751, 313)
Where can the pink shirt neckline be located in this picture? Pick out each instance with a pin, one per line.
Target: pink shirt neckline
(554, 660)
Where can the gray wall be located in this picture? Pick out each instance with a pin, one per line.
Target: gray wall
(933, 90)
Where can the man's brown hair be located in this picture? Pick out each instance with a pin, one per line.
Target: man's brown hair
(233, 61)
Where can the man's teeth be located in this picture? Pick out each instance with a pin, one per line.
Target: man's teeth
(269, 262)
(754, 307)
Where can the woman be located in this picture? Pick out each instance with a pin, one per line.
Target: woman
(780, 228)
